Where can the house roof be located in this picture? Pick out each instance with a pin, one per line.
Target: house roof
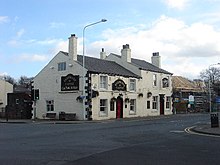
(183, 84)
(144, 65)
(96, 65)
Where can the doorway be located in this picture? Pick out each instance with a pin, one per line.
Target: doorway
(119, 107)
(161, 104)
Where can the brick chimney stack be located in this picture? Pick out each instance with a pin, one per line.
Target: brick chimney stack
(103, 54)
(126, 53)
(156, 59)
(73, 47)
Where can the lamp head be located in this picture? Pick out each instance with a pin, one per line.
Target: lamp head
(103, 20)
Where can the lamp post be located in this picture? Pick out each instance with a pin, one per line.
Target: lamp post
(102, 20)
(210, 94)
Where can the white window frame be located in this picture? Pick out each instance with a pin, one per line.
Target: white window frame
(168, 102)
(50, 105)
(61, 66)
(132, 106)
(132, 85)
(154, 80)
(103, 82)
(103, 107)
(155, 102)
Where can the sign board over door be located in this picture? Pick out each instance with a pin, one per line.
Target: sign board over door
(119, 85)
(70, 82)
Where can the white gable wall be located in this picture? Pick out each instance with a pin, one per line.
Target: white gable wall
(48, 81)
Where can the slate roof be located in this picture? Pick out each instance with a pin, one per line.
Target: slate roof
(98, 66)
(144, 65)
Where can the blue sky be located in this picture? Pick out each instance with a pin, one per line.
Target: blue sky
(185, 32)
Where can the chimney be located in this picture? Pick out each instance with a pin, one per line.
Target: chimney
(126, 53)
(103, 54)
(156, 59)
(73, 47)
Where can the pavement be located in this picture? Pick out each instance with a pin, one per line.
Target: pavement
(206, 129)
(201, 128)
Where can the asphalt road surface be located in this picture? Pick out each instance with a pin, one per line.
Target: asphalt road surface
(144, 141)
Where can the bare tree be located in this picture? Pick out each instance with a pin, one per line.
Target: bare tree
(9, 79)
(213, 75)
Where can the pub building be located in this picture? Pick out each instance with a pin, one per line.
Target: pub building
(115, 86)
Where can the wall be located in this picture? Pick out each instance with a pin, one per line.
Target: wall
(5, 88)
(49, 83)
(109, 93)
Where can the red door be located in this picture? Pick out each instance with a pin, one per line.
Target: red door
(119, 108)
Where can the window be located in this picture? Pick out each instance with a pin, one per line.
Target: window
(17, 101)
(168, 102)
(61, 66)
(112, 105)
(103, 107)
(132, 106)
(154, 103)
(154, 80)
(132, 85)
(103, 82)
(148, 104)
(50, 105)
(165, 82)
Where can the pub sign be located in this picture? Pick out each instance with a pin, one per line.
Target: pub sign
(70, 82)
(119, 85)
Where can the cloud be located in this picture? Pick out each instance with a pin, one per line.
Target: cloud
(15, 42)
(185, 48)
(56, 25)
(4, 19)
(32, 58)
(177, 4)
(20, 33)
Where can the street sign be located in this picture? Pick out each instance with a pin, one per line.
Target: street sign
(191, 99)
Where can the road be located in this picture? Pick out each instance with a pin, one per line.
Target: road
(155, 141)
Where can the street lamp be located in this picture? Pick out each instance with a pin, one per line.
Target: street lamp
(102, 20)
(210, 94)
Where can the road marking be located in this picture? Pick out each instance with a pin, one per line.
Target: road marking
(189, 131)
(177, 131)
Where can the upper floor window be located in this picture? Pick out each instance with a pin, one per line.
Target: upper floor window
(103, 82)
(61, 66)
(132, 86)
(154, 80)
(165, 82)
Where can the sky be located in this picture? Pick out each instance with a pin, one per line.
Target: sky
(186, 33)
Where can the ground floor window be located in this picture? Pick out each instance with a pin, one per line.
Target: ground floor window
(103, 107)
(112, 105)
(132, 106)
(50, 105)
(148, 104)
(168, 102)
(155, 102)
